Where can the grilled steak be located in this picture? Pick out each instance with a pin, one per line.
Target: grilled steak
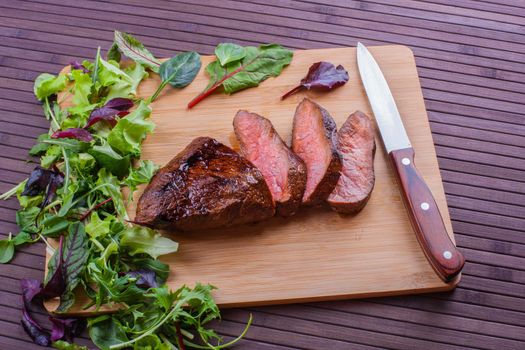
(284, 172)
(313, 140)
(356, 145)
(207, 185)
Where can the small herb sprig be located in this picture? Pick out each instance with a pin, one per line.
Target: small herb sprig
(87, 158)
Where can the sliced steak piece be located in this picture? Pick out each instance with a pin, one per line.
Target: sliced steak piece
(313, 140)
(356, 145)
(284, 172)
(207, 185)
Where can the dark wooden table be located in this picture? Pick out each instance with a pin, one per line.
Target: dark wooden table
(471, 58)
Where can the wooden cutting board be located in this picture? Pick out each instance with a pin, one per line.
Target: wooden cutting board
(317, 254)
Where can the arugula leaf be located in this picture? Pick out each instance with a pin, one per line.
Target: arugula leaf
(126, 137)
(40, 147)
(110, 187)
(48, 84)
(179, 71)
(229, 52)
(7, 250)
(26, 219)
(135, 50)
(53, 225)
(257, 65)
(64, 345)
(23, 237)
(141, 174)
(75, 257)
(138, 239)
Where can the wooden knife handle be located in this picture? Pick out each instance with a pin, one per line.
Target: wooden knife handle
(425, 217)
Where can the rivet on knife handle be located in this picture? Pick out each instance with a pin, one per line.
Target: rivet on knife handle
(425, 217)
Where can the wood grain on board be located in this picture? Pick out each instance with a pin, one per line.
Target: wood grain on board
(316, 254)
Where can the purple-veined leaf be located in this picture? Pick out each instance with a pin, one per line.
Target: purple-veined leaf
(66, 328)
(30, 289)
(56, 284)
(34, 330)
(73, 133)
(119, 103)
(321, 75)
(115, 107)
(37, 182)
(145, 278)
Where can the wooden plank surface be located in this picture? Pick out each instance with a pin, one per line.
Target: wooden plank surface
(470, 60)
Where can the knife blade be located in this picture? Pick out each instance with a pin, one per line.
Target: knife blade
(422, 209)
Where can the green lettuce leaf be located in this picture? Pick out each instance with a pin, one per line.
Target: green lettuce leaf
(82, 88)
(107, 157)
(48, 84)
(138, 239)
(97, 227)
(126, 137)
(7, 250)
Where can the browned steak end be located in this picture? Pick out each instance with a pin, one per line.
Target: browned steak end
(356, 145)
(207, 185)
(284, 172)
(313, 140)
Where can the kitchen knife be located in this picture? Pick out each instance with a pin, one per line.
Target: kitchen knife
(424, 214)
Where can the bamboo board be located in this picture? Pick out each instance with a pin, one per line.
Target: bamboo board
(317, 254)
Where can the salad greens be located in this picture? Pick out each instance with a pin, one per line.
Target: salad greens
(74, 196)
(238, 68)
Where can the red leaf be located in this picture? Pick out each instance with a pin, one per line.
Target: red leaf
(323, 76)
(73, 133)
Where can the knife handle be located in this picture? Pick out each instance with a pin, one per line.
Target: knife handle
(425, 217)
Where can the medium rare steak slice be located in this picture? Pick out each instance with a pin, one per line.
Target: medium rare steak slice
(313, 140)
(284, 172)
(356, 145)
(207, 185)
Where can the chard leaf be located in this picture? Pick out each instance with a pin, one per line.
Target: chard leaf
(229, 52)
(258, 64)
(138, 239)
(48, 84)
(135, 50)
(126, 137)
(7, 250)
